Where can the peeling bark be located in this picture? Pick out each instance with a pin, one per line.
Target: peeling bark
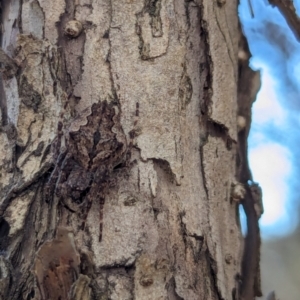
(118, 150)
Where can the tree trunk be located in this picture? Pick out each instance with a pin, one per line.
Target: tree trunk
(118, 150)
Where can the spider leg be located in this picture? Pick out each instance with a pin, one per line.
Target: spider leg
(87, 210)
(51, 184)
(89, 201)
(102, 201)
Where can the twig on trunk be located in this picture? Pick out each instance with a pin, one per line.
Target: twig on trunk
(286, 7)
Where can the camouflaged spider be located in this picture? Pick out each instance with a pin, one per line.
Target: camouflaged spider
(86, 154)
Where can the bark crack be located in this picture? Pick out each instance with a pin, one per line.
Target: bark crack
(152, 8)
(219, 130)
(213, 273)
(225, 40)
(201, 150)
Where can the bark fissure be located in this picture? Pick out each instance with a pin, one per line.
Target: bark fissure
(213, 274)
(229, 45)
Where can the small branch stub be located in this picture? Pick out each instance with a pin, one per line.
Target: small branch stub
(238, 191)
(73, 28)
(256, 193)
(221, 2)
(146, 281)
(271, 296)
(228, 258)
(241, 123)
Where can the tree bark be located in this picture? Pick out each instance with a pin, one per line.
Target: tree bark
(119, 144)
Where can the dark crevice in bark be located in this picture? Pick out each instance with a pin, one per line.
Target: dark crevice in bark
(203, 171)
(198, 248)
(183, 230)
(4, 231)
(205, 71)
(16, 254)
(19, 21)
(30, 295)
(212, 268)
(18, 151)
(187, 13)
(171, 287)
(165, 166)
(206, 68)
(108, 61)
(86, 264)
(220, 131)
(3, 105)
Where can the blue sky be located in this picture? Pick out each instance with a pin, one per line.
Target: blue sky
(274, 141)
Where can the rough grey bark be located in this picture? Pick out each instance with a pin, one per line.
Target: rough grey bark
(118, 150)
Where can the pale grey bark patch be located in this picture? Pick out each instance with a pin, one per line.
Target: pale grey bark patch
(16, 213)
(10, 15)
(52, 12)
(159, 97)
(40, 102)
(33, 19)
(11, 101)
